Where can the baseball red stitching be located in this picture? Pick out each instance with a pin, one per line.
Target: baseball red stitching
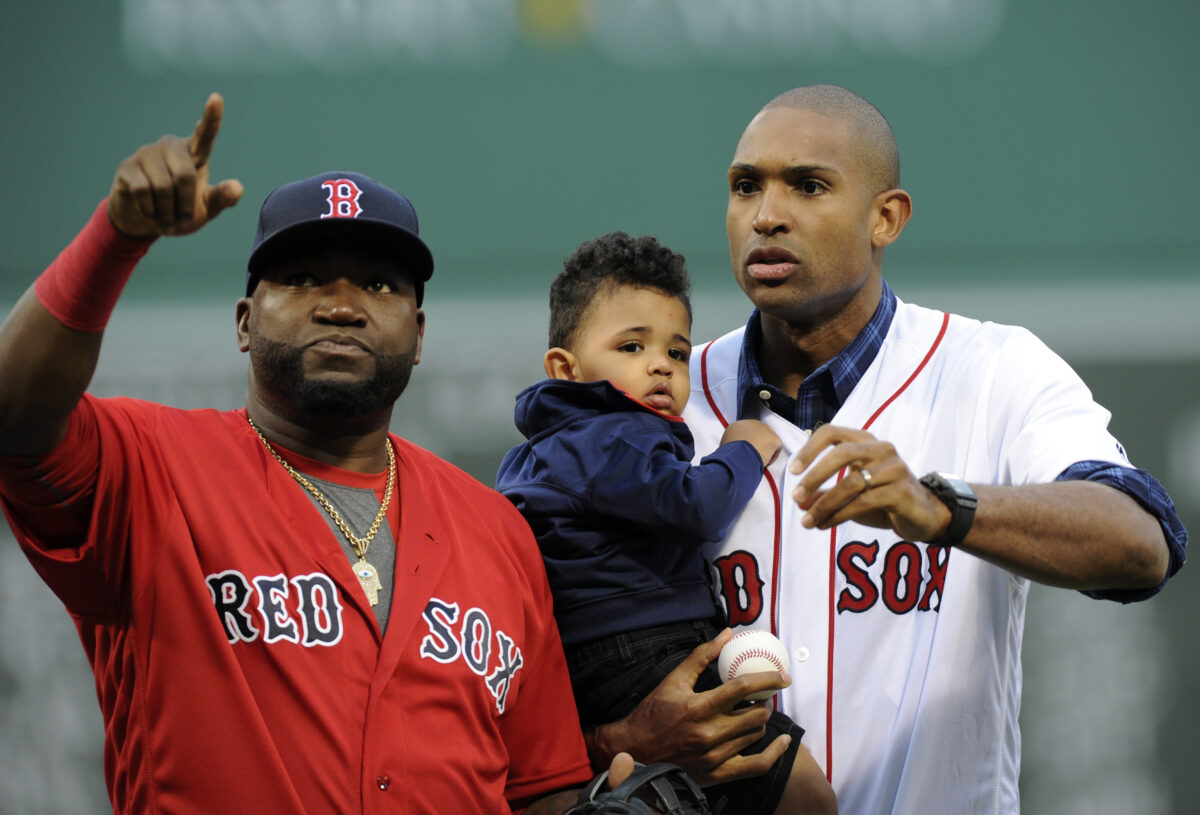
(747, 654)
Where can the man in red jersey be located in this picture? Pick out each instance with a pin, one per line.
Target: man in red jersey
(287, 608)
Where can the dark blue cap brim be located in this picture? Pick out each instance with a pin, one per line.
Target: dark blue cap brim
(409, 250)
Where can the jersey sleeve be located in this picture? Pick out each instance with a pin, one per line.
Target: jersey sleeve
(48, 498)
(71, 509)
(1053, 429)
(1043, 418)
(644, 480)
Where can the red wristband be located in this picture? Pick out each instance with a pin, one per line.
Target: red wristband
(82, 285)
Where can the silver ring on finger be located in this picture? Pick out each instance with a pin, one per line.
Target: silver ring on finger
(866, 477)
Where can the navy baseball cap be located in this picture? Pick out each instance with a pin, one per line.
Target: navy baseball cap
(336, 204)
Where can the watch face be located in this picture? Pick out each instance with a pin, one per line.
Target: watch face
(962, 490)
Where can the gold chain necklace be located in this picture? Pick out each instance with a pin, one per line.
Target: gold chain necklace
(367, 574)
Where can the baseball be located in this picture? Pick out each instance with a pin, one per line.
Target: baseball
(752, 651)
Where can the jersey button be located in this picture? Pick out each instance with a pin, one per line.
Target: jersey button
(383, 782)
(764, 395)
(801, 654)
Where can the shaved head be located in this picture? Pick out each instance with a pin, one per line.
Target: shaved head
(874, 143)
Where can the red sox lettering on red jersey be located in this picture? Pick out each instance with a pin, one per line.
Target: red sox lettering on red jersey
(318, 619)
(472, 644)
(315, 619)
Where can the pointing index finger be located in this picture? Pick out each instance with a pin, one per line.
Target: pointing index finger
(201, 142)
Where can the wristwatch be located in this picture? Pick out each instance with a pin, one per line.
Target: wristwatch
(959, 498)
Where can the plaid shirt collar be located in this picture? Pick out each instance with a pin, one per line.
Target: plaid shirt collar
(826, 389)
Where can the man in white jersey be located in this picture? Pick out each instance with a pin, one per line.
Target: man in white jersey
(934, 466)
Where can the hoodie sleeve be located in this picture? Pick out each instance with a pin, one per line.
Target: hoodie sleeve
(648, 479)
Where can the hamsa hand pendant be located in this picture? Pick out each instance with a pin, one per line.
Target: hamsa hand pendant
(369, 578)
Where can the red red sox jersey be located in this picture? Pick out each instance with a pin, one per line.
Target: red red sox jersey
(905, 657)
(238, 665)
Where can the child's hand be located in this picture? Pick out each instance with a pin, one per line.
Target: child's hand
(758, 434)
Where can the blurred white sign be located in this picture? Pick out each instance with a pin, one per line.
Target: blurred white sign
(282, 36)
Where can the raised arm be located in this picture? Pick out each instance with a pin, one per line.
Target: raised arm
(50, 342)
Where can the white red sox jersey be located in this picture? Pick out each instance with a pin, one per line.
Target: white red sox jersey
(905, 657)
(239, 666)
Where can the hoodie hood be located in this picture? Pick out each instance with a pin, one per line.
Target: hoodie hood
(552, 403)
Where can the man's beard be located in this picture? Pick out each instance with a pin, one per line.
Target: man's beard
(279, 368)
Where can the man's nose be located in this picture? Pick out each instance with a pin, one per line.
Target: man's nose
(771, 216)
(340, 303)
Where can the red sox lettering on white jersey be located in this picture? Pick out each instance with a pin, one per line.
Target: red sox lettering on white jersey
(913, 579)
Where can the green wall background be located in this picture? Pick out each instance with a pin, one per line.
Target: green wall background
(1063, 145)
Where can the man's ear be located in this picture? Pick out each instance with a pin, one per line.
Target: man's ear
(561, 364)
(894, 210)
(420, 335)
(243, 324)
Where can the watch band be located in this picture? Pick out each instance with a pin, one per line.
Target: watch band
(959, 498)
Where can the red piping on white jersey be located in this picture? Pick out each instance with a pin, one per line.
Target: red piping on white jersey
(777, 542)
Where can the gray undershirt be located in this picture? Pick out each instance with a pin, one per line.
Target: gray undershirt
(358, 507)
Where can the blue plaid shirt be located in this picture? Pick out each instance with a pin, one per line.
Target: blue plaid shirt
(826, 389)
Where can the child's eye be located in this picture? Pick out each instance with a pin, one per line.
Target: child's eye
(630, 347)
(679, 354)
